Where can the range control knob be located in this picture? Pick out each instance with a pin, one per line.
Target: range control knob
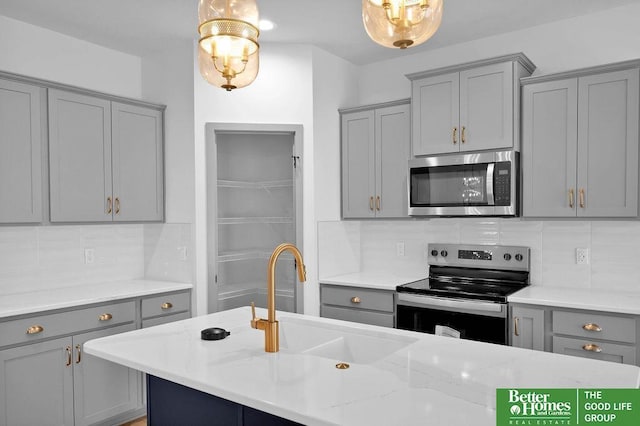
(434, 253)
(443, 253)
(507, 257)
(519, 257)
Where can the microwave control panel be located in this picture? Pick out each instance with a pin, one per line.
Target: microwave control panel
(502, 183)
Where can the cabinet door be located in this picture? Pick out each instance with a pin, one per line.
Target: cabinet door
(137, 163)
(392, 134)
(435, 115)
(102, 389)
(486, 107)
(358, 165)
(608, 144)
(20, 153)
(36, 384)
(527, 328)
(79, 157)
(549, 144)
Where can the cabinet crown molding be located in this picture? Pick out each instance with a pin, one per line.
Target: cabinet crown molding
(582, 72)
(46, 84)
(375, 106)
(514, 57)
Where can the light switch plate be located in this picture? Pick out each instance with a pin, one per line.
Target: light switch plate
(89, 256)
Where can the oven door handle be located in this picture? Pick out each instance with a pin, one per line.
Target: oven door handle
(489, 182)
(440, 302)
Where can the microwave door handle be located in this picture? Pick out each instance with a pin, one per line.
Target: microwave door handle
(489, 181)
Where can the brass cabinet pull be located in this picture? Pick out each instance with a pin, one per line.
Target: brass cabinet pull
(516, 329)
(571, 198)
(581, 193)
(378, 203)
(592, 327)
(35, 329)
(166, 305)
(371, 203)
(117, 205)
(105, 317)
(355, 299)
(109, 205)
(68, 363)
(462, 137)
(592, 347)
(455, 138)
(79, 358)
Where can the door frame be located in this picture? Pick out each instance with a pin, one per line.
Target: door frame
(211, 132)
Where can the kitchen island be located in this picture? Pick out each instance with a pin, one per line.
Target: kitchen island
(394, 376)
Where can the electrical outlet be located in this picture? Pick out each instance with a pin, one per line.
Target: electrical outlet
(182, 253)
(89, 256)
(400, 249)
(582, 256)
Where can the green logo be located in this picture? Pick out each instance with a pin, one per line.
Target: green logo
(545, 407)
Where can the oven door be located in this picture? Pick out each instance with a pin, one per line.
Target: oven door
(474, 320)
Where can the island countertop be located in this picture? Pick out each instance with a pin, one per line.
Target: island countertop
(428, 380)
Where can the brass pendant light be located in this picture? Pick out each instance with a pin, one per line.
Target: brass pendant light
(401, 23)
(228, 46)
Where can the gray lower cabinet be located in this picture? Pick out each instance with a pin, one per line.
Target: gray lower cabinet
(527, 327)
(46, 378)
(375, 151)
(588, 334)
(105, 160)
(580, 144)
(21, 148)
(358, 304)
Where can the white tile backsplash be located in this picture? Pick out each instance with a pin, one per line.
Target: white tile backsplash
(613, 247)
(44, 257)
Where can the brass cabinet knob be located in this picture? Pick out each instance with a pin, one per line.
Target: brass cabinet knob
(109, 205)
(79, 352)
(455, 138)
(117, 205)
(571, 197)
(105, 317)
(592, 347)
(166, 305)
(516, 329)
(463, 139)
(355, 299)
(35, 329)
(378, 203)
(371, 203)
(592, 327)
(68, 356)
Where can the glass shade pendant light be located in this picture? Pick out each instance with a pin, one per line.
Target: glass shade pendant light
(228, 46)
(401, 23)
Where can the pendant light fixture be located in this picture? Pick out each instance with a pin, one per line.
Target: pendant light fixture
(401, 23)
(228, 46)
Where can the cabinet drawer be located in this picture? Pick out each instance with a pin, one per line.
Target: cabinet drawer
(600, 350)
(165, 304)
(52, 325)
(357, 297)
(586, 325)
(357, 315)
(165, 319)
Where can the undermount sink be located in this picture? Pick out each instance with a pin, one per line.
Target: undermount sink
(342, 343)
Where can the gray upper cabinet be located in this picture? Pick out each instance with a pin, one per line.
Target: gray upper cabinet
(375, 151)
(79, 158)
(20, 153)
(580, 145)
(137, 163)
(105, 160)
(469, 107)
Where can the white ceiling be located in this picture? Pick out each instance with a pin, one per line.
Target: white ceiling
(140, 26)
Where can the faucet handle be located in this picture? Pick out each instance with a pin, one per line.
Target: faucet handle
(254, 319)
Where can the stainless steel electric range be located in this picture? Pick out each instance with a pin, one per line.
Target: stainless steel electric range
(466, 293)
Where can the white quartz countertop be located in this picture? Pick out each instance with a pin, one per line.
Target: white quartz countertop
(377, 280)
(44, 300)
(409, 379)
(591, 299)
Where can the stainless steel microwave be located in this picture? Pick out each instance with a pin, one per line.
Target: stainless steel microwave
(470, 184)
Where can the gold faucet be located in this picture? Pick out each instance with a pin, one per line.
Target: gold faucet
(270, 325)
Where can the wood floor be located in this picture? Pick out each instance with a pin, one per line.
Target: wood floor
(142, 421)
